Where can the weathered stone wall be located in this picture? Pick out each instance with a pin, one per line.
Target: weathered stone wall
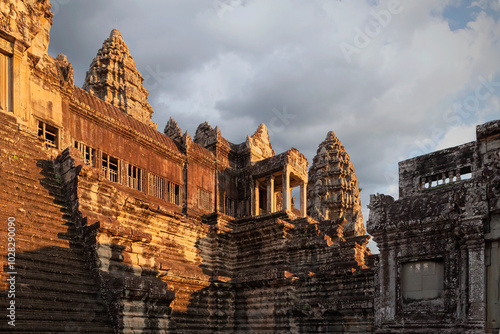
(53, 289)
(265, 275)
(440, 220)
(133, 242)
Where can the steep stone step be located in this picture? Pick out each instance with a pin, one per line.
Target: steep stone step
(14, 148)
(55, 289)
(47, 290)
(59, 302)
(36, 242)
(48, 282)
(54, 264)
(36, 233)
(46, 224)
(38, 186)
(28, 210)
(61, 218)
(20, 199)
(53, 268)
(44, 187)
(66, 316)
(50, 256)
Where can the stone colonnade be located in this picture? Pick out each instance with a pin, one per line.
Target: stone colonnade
(285, 190)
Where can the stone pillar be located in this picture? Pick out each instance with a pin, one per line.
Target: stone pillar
(216, 192)
(255, 205)
(287, 203)
(185, 187)
(303, 199)
(493, 284)
(476, 286)
(5, 83)
(18, 75)
(271, 202)
(476, 275)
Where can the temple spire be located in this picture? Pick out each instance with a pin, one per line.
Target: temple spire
(333, 191)
(113, 77)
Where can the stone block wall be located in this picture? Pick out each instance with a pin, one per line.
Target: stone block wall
(438, 242)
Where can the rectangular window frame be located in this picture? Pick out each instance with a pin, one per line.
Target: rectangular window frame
(134, 177)
(229, 206)
(174, 193)
(88, 153)
(156, 186)
(49, 133)
(410, 303)
(110, 167)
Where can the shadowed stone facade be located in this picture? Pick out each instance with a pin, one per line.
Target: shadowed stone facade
(121, 228)
(439, 258)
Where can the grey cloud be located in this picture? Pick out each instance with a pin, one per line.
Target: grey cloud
(380, 105)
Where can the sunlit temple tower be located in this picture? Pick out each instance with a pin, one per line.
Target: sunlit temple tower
(333, 192)
(113, 77)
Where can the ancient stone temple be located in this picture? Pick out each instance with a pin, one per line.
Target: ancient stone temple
(439, 257)
(116, 227)
(120, 228)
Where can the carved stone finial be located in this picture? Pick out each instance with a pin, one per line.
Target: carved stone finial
(333, 190)
(187, 138)
(113, 77)
(62, 57)
(173, 130)
(115, 33)
(260, 144)
(205, 135)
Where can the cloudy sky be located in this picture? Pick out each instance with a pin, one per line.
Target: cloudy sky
(393, 79)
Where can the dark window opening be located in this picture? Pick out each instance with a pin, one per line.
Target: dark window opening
(262, 201)
(229, 206)
(48, 133)
(134, 177)
(110, 167)
(174, 193)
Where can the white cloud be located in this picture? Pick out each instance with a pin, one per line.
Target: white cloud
(456, 136)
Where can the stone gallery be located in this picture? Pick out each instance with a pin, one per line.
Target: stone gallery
(110, 226)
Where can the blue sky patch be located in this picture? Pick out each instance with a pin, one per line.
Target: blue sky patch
(461, 13)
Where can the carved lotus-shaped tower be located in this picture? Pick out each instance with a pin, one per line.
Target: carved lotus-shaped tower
(333, 191)
(113, 77)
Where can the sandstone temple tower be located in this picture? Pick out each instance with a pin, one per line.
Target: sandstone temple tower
(113, 77)
(333, 192)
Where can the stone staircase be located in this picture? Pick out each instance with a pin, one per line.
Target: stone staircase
(55, 291)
